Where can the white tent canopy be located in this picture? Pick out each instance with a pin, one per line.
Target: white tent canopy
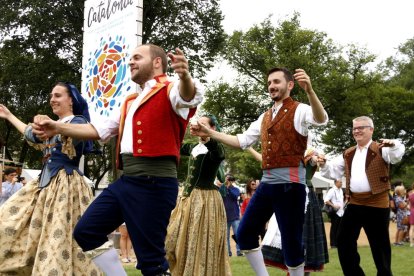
(321, 182)
(30, 174)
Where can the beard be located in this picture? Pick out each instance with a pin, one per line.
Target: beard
(143, 74)
(281, 94)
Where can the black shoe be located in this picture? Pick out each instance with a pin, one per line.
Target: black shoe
(240, 254)
(230, 254)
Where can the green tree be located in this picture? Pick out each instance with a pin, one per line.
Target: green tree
(41, 43)
(401, 66)
(396, 102)
(340, 75)
(193, 25)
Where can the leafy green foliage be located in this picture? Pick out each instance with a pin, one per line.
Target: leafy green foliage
(342, 77)
(237, 105)
(41, 43)
(192, 25)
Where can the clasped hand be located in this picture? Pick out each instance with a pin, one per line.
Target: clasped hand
(386, 143)
(199, 129)
(43, 127)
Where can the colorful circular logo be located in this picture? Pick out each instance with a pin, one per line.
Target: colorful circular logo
(107, 79)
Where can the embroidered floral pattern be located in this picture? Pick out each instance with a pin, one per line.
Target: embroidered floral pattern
(38, 241)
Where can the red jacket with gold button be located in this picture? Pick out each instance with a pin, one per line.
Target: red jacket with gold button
(157, 129)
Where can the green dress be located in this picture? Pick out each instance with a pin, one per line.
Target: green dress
(196, 237)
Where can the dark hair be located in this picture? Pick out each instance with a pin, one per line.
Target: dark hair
(157, 51)
(212, 120)
(79, 106)
(230, 177)
(249, 189)
(287, 74)
(9, 171)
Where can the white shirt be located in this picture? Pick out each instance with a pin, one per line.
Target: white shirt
(359, 181)
(8, 189)
(109, 127)
(302, 120)
(336, 196)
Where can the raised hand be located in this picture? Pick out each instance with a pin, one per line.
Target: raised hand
(4, 111)
(180, 64)
(303, 80)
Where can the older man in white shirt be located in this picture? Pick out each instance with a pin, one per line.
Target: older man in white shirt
(366, 167)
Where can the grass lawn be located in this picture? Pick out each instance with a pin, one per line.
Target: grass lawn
(402, 263)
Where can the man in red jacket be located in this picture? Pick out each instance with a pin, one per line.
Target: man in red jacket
(151, 126)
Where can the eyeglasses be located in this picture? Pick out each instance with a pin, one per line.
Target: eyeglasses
(360, 128)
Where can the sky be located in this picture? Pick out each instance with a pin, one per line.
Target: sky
(380, 26)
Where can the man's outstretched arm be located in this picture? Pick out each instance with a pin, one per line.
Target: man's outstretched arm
(44, 127)
(202, 130)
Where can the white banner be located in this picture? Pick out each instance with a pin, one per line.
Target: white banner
(112, 29)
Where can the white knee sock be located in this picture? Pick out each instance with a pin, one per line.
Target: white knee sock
(109, 263)
(297, 271)
(255, 258)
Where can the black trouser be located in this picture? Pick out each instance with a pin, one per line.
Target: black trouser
(333, 235)
(375, 222)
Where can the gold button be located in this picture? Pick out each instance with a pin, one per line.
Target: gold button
(139, 141)
(139, 150)
(138, 123)
(139, 132)
(269, 142)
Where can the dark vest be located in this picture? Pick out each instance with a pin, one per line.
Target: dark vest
(282, 145)
(376, 168)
